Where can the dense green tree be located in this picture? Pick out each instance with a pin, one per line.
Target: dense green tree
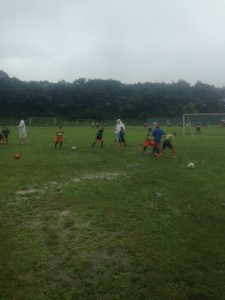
(105, 99)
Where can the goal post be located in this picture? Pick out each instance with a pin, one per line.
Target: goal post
(42, 121)
(204, 120)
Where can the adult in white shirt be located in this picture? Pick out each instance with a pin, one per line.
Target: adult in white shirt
(119, 124)
(22, 131)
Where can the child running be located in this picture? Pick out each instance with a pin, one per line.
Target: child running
(59, 137)
(99, 137)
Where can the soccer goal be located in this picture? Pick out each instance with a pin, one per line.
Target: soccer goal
(209, 123)
(42, 121)
(84, 122)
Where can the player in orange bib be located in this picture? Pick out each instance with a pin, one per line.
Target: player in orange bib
(59, 137)
(148, 140)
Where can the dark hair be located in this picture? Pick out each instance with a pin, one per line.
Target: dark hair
(174, 133)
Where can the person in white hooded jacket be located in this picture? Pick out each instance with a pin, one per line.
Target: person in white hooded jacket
(119, 124)
(22, 131)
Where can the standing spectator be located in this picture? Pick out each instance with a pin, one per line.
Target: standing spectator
(22, 131)
(157, 134)
(119, 124)
(5, 132)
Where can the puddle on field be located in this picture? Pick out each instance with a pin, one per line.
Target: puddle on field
(100, 176)
(132, 165)
(27, 192)
(54, 184)
(64, 213)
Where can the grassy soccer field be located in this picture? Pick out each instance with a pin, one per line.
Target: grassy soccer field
(102, 224)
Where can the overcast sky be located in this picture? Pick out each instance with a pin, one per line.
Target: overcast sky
(127, 40)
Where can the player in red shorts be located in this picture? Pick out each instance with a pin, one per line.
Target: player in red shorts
(59, 137)
(148, 142)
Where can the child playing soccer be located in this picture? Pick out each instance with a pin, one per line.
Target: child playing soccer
(157, 134)
(2, 139)
(169, 142)
(148, 140)
(121, 137)
(59, 137)
(98, 137)
(5, 132)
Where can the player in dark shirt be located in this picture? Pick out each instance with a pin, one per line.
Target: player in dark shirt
(99, 137)
(121, 139)
(5, 132)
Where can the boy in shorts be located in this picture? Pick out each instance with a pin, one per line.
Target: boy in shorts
(5, 132)
(2, 139)
(148, 140)
(157, 134)
(59, 137)
(121, 137)
(169, 142)
(99, 137)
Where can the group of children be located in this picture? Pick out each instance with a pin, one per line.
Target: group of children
(119, 136)
(159, 141)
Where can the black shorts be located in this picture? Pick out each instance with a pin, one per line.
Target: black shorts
(167, 144)
(122, 140)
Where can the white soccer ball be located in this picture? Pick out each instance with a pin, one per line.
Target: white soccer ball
(73, 148)
(191, 165)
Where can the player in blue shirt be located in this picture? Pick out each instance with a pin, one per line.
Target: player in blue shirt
(157, 134)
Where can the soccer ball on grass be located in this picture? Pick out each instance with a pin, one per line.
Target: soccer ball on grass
(17, 156)
(191, 165)
(73, 148)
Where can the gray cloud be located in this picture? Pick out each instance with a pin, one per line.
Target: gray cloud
(130, 41)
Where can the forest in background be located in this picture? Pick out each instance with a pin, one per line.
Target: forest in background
(100, 99)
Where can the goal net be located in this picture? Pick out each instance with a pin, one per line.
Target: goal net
(42, 121)
(208, 124)
(84, 122)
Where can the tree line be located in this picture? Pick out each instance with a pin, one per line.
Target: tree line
(106, 99)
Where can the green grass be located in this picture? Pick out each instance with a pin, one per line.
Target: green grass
(102, 224)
